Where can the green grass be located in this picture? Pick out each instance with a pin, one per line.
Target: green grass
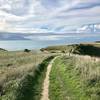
(75, 78)
(14, 66)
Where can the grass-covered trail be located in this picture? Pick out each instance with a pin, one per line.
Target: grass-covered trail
(75, 78)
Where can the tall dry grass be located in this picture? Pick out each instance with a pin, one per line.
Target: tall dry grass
(89, 70)
(14, 66)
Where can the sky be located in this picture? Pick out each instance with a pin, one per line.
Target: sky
(50, 16)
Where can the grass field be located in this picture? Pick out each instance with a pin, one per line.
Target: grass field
(15, 67)
(75, 78)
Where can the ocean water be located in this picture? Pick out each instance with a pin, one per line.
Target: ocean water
(13, 45)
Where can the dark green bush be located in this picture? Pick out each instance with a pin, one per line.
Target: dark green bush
(27, 50)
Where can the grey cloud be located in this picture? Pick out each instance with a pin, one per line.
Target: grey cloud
(17, 7)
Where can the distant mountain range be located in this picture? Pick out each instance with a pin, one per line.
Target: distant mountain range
(89, 28)
(12, 36)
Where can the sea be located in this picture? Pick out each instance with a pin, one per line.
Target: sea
(14, 45)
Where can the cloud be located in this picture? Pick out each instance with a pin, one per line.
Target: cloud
(59, 37)
(83, 4)
(37, 16)
(89, 28)
(16, 7)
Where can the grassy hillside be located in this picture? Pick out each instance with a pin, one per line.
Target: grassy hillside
(92, 49)
(75, 78)
(14, 67)
(22, 73)
(1, 49)
(61, 48)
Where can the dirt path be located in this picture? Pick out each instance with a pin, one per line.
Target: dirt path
(45, 92)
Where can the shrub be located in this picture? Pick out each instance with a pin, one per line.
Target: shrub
(27, 50)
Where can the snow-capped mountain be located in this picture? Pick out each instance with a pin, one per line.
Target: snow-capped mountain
(89, 28)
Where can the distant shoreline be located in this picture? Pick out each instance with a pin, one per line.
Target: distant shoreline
(35, 47)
